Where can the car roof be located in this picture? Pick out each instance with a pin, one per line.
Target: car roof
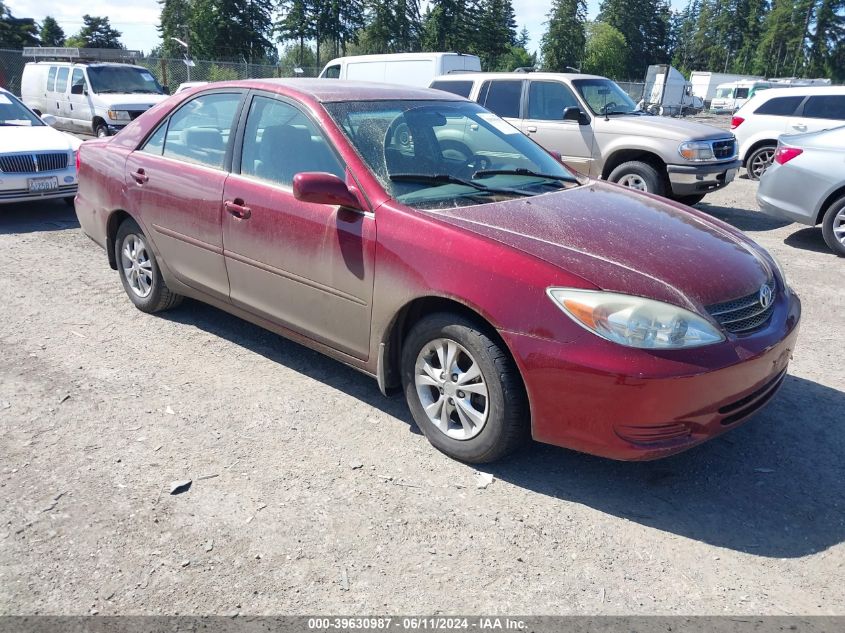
(398, 57)
(504, 75)
(801, 91)
(329, 90)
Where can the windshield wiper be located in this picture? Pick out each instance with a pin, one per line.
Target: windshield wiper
(520, 171)
(447, 179)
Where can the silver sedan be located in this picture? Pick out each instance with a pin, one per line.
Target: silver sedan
(806, 183)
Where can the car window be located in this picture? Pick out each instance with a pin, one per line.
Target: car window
(78, 77)
(780, 106)
(199, 131)
(825, 107)
(502, 97)
(280, 142)
(460, 88)
(155, 144)
(51, 79)
(61, 79)
(332, 72)
(547, 100)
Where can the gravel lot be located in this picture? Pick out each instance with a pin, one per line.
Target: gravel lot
(314, 494)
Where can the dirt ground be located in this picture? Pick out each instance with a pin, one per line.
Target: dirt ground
(314, 494)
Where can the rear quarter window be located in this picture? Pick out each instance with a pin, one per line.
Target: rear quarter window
(51, 79)
(780, 106)
(460, 88)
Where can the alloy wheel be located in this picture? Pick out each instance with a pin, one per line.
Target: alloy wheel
(633, 181)
(839, 226)
(760, 163)
(136, 265)
(451, 389)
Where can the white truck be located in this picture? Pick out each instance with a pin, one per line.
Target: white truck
(731, 96)
(668, 93)
(408, 69)
(704, 83)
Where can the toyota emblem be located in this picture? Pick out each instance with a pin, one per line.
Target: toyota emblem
(765, 296)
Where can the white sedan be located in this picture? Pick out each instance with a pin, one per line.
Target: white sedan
(36, 161)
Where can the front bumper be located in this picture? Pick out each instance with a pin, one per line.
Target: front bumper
(596, 397)
(688, 180)
(14, 187)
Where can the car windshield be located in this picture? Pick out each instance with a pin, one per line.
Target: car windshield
(432, 154)
(123, 79)
(724, 93)
(13, 112)
(604, 96)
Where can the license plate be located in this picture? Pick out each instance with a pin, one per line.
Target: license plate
(730, 175)
(37, 185)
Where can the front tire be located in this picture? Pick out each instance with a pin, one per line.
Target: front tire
(139, 271)
(759, 161)
(639, 176)
(833, 227)
(101, 130)
(463, 389)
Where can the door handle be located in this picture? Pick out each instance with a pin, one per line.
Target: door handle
(800, 126)
(236, 208)
(531, 128)
(140, 176)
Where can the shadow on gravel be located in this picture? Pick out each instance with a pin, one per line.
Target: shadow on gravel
(36, 217)
(809, 239)
(743, 219)
(772, 487)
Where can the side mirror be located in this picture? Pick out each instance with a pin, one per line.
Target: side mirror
(322, 188)
(49, 119)
(573, 113)
(77, 89)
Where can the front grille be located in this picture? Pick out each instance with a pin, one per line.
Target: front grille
(134, 114)
(32, 163)
(724, 149)
(744, 314)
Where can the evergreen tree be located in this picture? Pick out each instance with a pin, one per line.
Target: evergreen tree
(605, 51)
(563, 43)
(645, 26)
(96, 32)
(51, 33)
(496, 32)
(828, 40)
(174, 22)
(295, 24)
(16, 32)
(236, 30)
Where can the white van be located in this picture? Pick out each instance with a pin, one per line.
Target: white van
(407, 69)
(87, 96)
(731, 96)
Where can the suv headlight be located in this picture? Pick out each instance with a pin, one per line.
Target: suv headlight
(696, 150)
(635, 321)
(119, 115)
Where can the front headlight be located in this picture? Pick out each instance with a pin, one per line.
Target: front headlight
(71, 158)
(635, 321)
(780, 271)
(119, 115)
(696, 150)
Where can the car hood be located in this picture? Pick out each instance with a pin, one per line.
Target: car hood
(130, 101)
(626, 242)
(658, 127)
(39, 138)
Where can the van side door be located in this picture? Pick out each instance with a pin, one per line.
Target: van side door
(59, 96)
(79, 102)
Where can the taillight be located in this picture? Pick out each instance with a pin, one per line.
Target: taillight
(78, 152)
(736, 122)
(784, 154)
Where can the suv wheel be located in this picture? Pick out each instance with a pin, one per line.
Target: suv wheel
(759, 160)
(463, 390)
(638, 175)
(139, 271)
(833, 227)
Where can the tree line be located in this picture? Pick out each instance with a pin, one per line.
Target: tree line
(761, 37)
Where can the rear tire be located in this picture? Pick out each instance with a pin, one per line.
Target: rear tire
(463, 389)
(139, 271)
(758, 161)
(833, 227)
(639, 176)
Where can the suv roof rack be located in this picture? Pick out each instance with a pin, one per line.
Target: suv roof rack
(81, 54)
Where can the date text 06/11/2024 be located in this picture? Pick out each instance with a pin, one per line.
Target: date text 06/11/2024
(415, 624)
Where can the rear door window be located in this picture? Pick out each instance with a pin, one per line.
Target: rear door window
(332, 72)
(61, 79)
(51, 79)
(199, 131)
(780, 106)
(502, 97)
(460, 88)
(825, 107)
(547, 100)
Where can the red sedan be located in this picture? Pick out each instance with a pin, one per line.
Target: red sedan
(419, 238)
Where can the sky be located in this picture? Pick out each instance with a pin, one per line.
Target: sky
(137, 19)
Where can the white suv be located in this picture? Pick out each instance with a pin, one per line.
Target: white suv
(768, 114)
